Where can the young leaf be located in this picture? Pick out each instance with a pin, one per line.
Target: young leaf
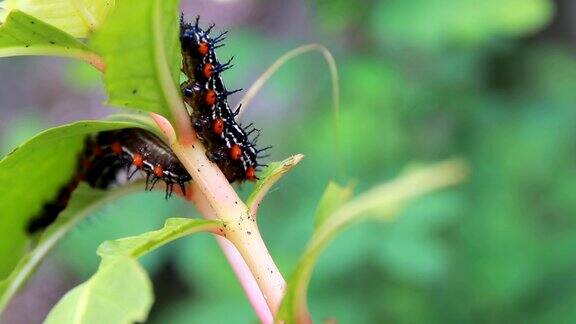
(382, 202)
(121, 288)
(78, 18)
(142, 55)
(138, 246)
(119, 292)
(32, 174)
(84, 200)
(269, 177)
(23, 34)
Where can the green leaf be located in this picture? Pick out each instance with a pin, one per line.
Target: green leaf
(83, 202)
(269, 177)
(119, 292)
(76, 17)
(141, 51)
(32, 174)
(173, 229)
(23, 34)
(382, 202)
(333, 198)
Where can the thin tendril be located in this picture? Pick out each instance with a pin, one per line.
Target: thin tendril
(281, 61)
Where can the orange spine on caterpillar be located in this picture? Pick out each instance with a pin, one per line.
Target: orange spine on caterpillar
(227, 142)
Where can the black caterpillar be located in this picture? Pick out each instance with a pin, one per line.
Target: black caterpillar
(133, 149)
(107, 154)
(227, 143)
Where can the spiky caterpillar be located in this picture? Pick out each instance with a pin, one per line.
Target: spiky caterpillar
(108, 153)
(227, 142)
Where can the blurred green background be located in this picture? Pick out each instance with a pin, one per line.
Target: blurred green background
(422, 80)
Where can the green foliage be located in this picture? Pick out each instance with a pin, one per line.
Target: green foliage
(423, 257)
(140, 245)
(78, 18)
(141, 71)
(503, 101)
(382, 202)
(333, 198)
(119, 292)
(120, 280)
(437, 24)
(22, 34)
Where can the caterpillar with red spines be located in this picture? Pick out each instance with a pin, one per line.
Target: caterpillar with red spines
(135, 150)
(107, 154)
(227, 142)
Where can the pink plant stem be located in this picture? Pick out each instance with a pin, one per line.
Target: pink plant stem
(238, 265)
(240, 226)
(247, 281)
